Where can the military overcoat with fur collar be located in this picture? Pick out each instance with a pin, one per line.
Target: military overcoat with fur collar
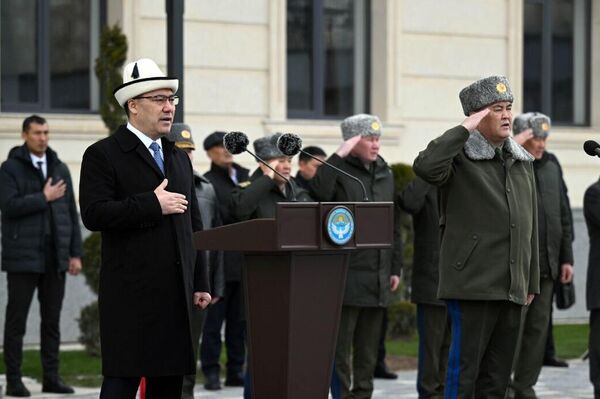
(488, 216)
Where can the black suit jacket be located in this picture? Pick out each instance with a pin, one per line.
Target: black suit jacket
(591, 211)
(150, 268)
(219, 177)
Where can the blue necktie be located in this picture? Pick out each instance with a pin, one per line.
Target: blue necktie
(157, 158)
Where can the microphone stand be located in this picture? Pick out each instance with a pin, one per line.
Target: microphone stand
(288, 181)
(365, 197)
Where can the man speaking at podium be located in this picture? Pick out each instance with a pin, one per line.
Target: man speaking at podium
(372, 273)
(137, 188)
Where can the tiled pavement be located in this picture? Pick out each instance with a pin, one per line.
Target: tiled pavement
(555, 383)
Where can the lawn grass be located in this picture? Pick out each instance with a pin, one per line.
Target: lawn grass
(79, 369)
(570, 340)
(76, 367)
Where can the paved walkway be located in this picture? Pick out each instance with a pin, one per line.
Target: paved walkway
(555, 383)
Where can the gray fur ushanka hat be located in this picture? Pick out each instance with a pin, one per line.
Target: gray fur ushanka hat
(266, 147)
(484, 92)
(538, 122)
(361, 124)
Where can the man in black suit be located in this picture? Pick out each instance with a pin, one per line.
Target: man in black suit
(137, 188)
(224, 174)
(591, 211)
(41, 240)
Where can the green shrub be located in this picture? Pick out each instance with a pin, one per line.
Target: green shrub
(402, 320)
(91, 259)
(113, 52)
(403, 174)
(90, 328)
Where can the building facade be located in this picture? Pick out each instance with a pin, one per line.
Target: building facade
(265, 66)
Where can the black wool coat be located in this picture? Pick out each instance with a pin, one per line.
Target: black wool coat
(591, 211)
(420, 199)
(258, 197)
(149, 267)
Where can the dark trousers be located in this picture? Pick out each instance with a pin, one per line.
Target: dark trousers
(550, 351)
(594, 350)
(381, 348)
(484, 339)
(168, 387)
(197, 320)
(433, 326)
(51, 291)
(356, 350)
(228, 310)
(530, 353)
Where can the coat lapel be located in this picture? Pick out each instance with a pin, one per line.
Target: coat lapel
(168, 147)
(129, 142)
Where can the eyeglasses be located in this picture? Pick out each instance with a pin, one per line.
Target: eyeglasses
(160, 99)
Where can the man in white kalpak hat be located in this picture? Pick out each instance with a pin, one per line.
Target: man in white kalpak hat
(137, 189)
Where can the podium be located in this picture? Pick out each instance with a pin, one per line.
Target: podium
(294, 279)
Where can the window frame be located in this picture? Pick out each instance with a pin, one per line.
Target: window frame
(318, 64)
(43, 65)
(546, 62)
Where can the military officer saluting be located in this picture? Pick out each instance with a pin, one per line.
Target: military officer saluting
(488, 265)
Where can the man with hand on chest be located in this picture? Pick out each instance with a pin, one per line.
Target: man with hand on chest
(137, 188)
(41, 240)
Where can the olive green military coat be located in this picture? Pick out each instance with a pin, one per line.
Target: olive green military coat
(369, 271)
(488, 217)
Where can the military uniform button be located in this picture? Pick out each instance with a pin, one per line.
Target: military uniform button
(513, 225)
(512, 261)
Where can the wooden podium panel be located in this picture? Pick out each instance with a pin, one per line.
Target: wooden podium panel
(294, 305)
(294, 280)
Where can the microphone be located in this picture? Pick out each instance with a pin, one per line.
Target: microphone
(591, 148)
(290, 144)
(237, 142)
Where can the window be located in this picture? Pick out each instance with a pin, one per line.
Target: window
(327, 58)
(48, 49)
(557, 59)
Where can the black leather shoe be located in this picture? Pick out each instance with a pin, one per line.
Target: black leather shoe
(56, 386)
(235, 380)
(16, 388)
(212, 383)
(555, 362)
(384, 374)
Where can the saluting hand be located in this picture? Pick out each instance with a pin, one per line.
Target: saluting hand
(525, 135)
(472, 121)
(347, 146)
(170, 202)
(202, 299)
(268, 172)
(52, 192)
